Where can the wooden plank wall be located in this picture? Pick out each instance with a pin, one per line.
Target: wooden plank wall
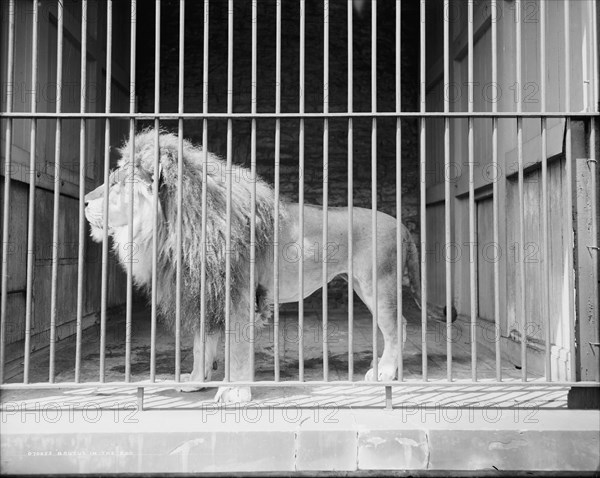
(45, 145)
(586, 258)
(531, 254)
(581, 91)
(487, 255)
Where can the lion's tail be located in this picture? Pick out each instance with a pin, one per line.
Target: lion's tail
(414, 270)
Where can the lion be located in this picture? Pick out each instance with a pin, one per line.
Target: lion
(215, 255)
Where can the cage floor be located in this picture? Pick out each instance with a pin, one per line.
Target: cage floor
(476, 394)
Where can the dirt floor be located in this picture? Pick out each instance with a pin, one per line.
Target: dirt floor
(476, 394)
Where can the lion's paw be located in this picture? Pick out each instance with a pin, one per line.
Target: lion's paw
(233, 395)
(385, 374)
(186, 377)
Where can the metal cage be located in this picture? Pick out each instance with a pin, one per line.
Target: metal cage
(483, 19)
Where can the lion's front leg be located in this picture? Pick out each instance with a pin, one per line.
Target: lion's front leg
(239, 335)
(210, 356)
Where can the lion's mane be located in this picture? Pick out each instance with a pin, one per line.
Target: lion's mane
(192, 227)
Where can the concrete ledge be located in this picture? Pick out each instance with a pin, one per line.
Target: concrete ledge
(251, 439)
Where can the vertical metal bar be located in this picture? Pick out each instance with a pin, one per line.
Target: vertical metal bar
(399, 248)
(104, 279)
(388, 398)
(472, 239)
(156, 174)
(31, 203)
(423, 197)
(82, 179)
(204, 192)
(595, 66)
(178, 251)
(253, 190)
(140, 398)
(545, 231)
(521, 246)
(447, 198)
(495, 193)
(325, 182)
(350, 198)
(229, 190)
(7, 173)
(57, 182)
(277, 182)
(301, 197)
(593, 165)
(130, 245)
(374, 182)
(569, 198)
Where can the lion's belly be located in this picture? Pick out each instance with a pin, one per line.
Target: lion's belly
(289, 270)
(335, 253)
(314, 254)
(289, 283)
(289, 289)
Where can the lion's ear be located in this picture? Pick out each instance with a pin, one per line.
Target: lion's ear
(168, 155)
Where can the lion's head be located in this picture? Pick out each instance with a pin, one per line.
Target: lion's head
(141, 174)
(128, 182)
(119, 200)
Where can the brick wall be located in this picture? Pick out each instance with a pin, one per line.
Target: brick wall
(290, 92)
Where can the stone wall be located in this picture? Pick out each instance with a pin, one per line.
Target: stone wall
(386, 139)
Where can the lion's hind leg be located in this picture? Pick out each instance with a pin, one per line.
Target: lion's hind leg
(386, 320)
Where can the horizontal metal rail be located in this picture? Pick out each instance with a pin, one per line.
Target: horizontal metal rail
(484, 383)
(379, 114)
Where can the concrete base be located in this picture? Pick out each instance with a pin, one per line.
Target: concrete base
(212, 439)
